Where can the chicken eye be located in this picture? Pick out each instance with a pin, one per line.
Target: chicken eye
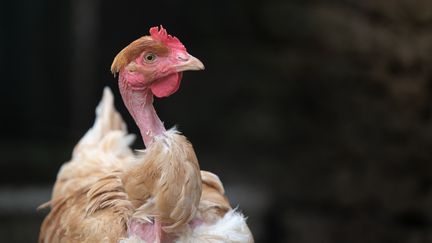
(149, 57)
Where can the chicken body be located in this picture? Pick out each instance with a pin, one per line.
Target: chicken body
(106, 185)
(91, 201)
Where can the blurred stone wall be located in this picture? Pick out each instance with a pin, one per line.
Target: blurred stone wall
(356, 83)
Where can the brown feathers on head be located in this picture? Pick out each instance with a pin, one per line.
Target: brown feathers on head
(134, 49)
(159, 42)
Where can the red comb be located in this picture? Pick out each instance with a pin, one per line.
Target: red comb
(162, 36)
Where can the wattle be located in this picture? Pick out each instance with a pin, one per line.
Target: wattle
(166, 86)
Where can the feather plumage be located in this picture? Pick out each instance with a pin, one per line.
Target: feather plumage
(106, 182)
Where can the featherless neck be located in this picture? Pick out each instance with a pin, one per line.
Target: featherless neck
(139, 103)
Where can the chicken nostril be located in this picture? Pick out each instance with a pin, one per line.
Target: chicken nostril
(183, 58)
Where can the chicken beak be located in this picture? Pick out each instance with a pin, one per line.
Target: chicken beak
(189, 63)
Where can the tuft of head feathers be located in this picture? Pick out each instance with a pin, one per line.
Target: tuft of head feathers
(159, 41)
(168, 40)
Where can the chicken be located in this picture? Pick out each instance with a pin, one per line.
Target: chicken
(108, 193)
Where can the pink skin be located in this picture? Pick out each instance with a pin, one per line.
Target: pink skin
(153, 232)
(138, 82)
(147, 232)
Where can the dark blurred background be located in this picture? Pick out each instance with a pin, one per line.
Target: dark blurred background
(317, 115)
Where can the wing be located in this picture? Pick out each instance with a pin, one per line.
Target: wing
(96, 213)
(104, 148)
(217, 220)
(213, 204)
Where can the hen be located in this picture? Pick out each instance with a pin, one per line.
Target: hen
(108, 193)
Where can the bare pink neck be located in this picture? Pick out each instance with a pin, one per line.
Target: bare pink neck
(140, 106)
